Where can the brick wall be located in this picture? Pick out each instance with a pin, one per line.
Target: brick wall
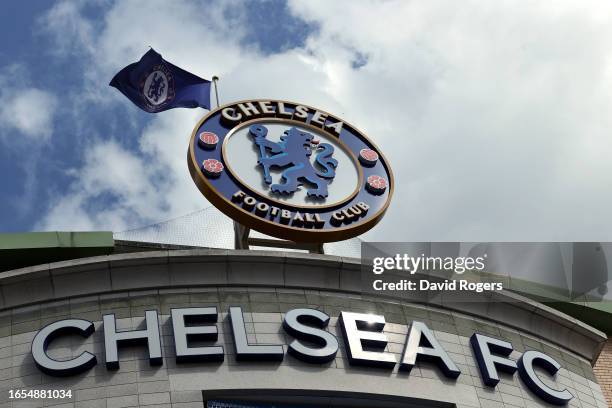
(603, 370)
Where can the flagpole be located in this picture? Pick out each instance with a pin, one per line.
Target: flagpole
(215, 79)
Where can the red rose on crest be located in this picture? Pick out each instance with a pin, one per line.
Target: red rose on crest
(376, 184)
(208, 140)
(212, 167)
(368, 157)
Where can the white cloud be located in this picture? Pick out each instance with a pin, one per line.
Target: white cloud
(494, 115)
(26, 109)
(71, 32)
(30, 111)
(27, 122)
(117, 189)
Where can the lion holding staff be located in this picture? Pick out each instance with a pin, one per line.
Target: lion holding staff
(293, 152)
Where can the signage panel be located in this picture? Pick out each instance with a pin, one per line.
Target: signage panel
(290, 170)
(365, 344)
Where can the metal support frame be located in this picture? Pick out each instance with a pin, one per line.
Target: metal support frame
(243, 241)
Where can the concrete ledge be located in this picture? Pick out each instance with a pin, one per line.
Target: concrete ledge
(159, 270)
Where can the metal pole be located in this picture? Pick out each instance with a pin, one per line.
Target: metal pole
(215, 79)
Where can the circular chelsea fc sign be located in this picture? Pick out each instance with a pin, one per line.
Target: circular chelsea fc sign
(290, 171)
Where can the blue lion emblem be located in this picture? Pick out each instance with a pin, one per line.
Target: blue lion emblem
(294, 150)
(157, 87)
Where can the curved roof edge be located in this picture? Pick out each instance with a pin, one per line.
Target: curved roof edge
(216, 267)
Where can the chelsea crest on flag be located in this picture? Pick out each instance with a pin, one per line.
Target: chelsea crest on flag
(155, 85)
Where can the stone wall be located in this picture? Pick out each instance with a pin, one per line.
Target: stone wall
(136, 383)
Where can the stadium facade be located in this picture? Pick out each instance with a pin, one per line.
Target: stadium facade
(235, 317)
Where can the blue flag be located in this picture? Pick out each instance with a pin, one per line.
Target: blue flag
(155, 85)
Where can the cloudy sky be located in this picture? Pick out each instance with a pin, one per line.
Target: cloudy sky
(495, 116)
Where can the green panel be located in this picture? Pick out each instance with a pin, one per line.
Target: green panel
(596, 314)
(34, 248)
(56, 239)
